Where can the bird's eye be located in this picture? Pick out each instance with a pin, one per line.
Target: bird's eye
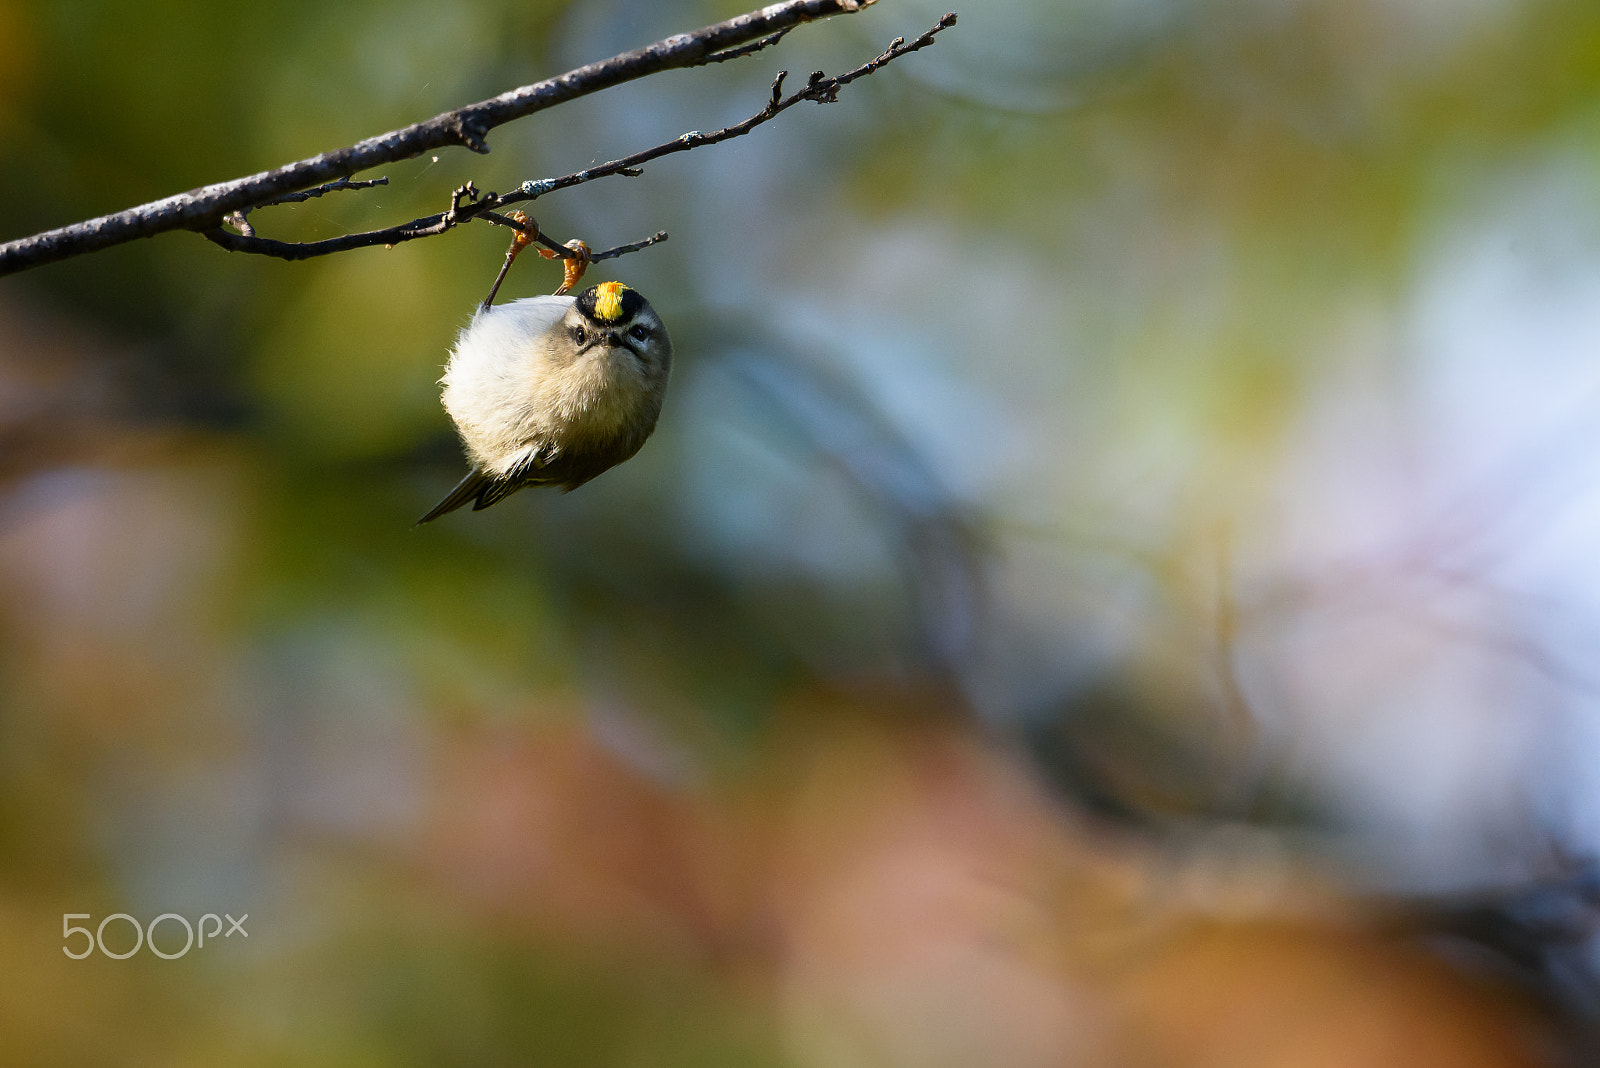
(578, 335)
(640, 332)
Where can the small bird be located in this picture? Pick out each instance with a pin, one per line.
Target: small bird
(552, 391)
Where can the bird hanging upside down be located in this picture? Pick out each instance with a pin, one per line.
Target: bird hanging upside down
(552, 391)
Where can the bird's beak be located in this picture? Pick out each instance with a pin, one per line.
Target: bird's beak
(618, 340)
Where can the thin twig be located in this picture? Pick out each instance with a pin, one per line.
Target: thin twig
(820, 89)
(205, 208)
(305, 250)
(240, 220)
(622, 250)
(743, 50)
(327, 187)
(428, 226)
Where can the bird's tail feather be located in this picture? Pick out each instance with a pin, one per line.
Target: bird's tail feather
(476, 485)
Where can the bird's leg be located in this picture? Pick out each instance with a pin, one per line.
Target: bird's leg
(572, 266)
(524, 237)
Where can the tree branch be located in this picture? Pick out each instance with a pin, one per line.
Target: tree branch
(820, 89)
(428, 226)
(205, 208)
(466, 204)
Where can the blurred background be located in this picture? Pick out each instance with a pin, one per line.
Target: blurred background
(1117, 581)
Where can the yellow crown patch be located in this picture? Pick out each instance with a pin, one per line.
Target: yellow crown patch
(608, 301)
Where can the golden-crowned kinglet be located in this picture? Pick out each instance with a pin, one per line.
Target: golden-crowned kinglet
(552, 391)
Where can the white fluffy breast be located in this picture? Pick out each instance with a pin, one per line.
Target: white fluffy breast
(493, 382)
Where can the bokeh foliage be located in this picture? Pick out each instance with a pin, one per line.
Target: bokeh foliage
(1095, 596)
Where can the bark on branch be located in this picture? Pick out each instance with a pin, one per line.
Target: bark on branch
(204, 209)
